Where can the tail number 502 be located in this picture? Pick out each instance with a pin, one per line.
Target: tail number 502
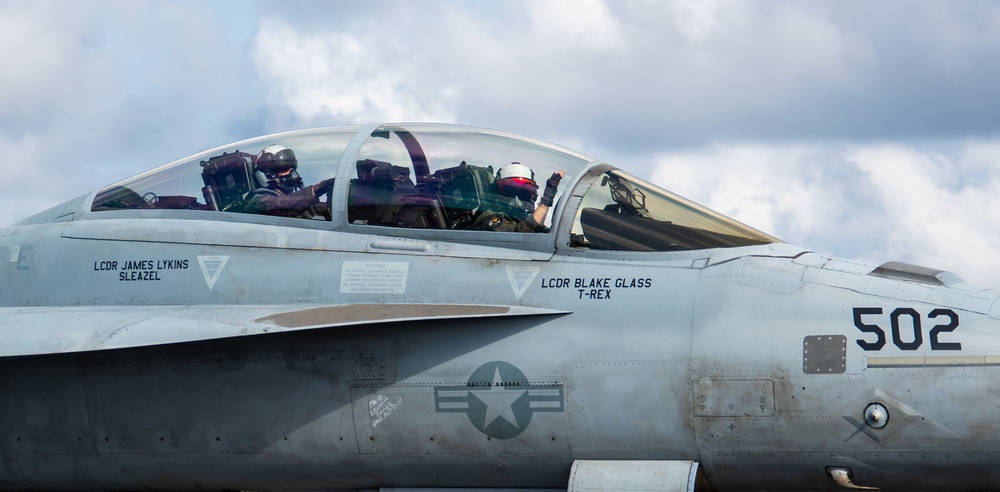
(906, 327)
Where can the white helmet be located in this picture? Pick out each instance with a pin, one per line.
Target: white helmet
(278, 165)
(517, 180)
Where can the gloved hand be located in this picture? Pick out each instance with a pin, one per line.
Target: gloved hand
(323, 187)
(551, 187)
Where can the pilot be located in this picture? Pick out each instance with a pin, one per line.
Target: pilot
(280, 191)
(515, 211)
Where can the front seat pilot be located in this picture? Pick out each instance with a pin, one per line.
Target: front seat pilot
(280, 191)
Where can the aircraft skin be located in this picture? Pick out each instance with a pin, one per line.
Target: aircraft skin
(156, 346)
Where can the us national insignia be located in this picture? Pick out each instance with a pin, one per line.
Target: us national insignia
(499, 400)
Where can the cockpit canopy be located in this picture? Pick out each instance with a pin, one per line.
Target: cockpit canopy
(621, 212)
(422, 176)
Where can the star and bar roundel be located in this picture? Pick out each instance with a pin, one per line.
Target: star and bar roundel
(499, 400)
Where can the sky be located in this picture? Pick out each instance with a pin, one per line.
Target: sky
(862, 130)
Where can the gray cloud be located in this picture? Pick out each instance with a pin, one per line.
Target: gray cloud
(678, 73)
(110, 89)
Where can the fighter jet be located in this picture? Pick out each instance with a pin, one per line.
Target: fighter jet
(442, 307)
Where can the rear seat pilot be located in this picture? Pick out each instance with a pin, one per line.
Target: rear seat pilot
(516, 210)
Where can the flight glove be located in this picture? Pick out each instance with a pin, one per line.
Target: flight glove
(551, 186)
(323, 187)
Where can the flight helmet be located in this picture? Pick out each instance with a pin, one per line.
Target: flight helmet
(515, 180)
(276, 166)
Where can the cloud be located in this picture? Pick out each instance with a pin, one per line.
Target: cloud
(871, 202)
(645, 73)
(29, 188)
(792, 191)
(490, 64)
(92, 95)
(936, 216)
(42, 74)
(353, 78)
(576, 25)
(437, 62)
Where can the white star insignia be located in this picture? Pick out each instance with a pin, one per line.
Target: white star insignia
(499, 401)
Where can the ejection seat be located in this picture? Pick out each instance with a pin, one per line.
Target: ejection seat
(465, 191)
(228, 180)
(384, 194)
